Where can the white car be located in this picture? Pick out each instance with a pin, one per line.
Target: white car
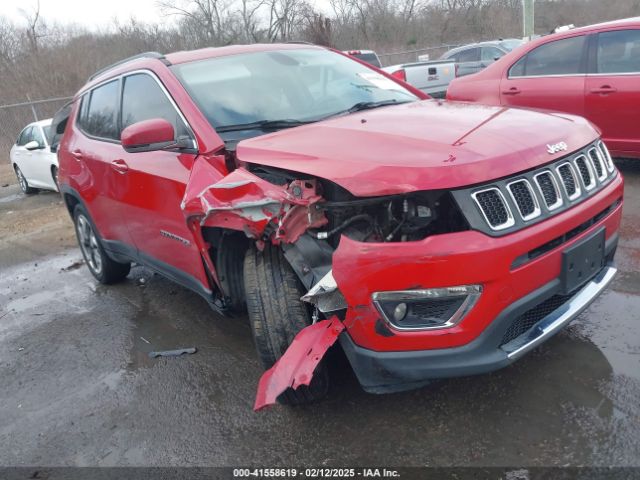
(36, 166)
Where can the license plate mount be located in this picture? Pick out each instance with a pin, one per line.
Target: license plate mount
(582, 261)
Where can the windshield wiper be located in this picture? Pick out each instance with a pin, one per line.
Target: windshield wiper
(369, 105)
(262, 125)
(290, 123)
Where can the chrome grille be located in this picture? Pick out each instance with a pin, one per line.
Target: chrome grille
(569, 181)
(508, 204)
(494, 208)
(598, 163)
(524, 198)
(549, 190)
(586, 174)
(606, 155)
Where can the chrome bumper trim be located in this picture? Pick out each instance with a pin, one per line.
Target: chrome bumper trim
(559, 318)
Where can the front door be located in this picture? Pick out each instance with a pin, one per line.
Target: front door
(40, 165)
(550, 77)
(156, 185)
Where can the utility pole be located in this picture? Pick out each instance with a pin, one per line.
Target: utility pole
(527, 18)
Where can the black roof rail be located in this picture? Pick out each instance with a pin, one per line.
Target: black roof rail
(155, 55)
(301, 42)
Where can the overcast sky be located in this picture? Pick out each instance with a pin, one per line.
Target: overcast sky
(90, 13)
(84, 12)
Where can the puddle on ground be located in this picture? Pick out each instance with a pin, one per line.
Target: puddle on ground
(11, 198)
(154, 332)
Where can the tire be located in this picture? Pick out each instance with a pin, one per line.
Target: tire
(22, 181)
(230, 265)
(101, 266)
(277, 314)
(54, 176)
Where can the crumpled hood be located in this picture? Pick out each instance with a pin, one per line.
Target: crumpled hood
(419, 146)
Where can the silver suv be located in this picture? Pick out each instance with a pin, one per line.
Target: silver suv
(474, 57)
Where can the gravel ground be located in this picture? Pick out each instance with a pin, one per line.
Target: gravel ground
(79, 389)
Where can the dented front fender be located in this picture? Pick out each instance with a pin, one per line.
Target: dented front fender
(245, 202)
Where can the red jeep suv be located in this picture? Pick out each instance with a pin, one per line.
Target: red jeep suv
(592, 71)
(331, 201)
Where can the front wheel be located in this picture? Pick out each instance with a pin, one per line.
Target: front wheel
(101, 266)
(277, 314)
(22, 181)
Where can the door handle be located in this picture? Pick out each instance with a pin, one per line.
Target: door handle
(120, 166)
(512, 91)
(77, 154)
(604, 89)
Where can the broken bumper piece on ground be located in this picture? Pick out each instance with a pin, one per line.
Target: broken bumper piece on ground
(299, 361)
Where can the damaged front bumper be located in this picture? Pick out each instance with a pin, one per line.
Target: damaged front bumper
(386, 358)
(386, 372)
(504, 290)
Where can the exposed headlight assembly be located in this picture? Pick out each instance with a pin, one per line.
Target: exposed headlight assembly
(428, 309)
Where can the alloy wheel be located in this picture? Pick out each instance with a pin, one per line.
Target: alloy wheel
(89, 244)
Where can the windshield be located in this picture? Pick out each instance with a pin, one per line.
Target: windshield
(283, 88)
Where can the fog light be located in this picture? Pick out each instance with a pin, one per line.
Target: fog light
(400, 312)
(427, 309)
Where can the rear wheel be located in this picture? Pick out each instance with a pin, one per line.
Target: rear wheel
(22, 181)
(277, 314)
(101, 266)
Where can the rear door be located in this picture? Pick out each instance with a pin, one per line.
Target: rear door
(550, 77)
(156, 185)
(97, 149)
(612, 89)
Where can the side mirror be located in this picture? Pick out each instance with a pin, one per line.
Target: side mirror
(148, 136)
(33, 145)
(495, 59)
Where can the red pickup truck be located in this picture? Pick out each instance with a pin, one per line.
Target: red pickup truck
(331, 201)
(592, 71)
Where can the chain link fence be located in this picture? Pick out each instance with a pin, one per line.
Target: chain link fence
(14, 117)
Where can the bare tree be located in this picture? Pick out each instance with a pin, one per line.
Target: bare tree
(36, 29)
(285, 18)
(249, 13)
(206, 16)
